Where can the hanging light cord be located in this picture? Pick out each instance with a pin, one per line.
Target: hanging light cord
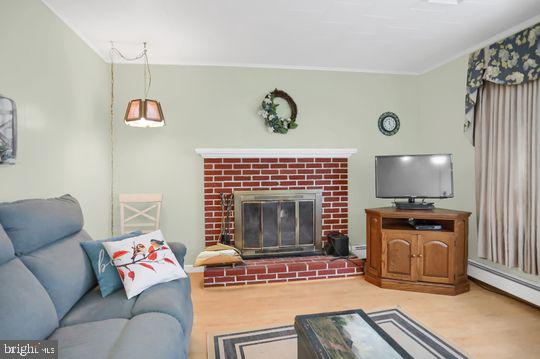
(147, 83)
(142, 55)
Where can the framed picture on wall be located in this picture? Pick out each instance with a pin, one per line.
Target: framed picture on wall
(8, 130)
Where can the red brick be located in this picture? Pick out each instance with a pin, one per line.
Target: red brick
(232, 172)
(213, 160)
(250, 160)
(288, 172)
(224, 279)
(307, 273)
(213, 173)
(331, 165)
(287, 275)
(269, 172)
(243, 166)
(340, 263)
(256, 270)
(251, 277)
(276, 268)
(278, 165)
(266, 276)
(296, 165)
(295, 267)
(297, 177)
(235, 271)
(317, 265)
(261, 178)
(326, 272)
(346, 270)
(287, 160)
(269, 160)
(232, 160)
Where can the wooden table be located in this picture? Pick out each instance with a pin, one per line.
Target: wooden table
(348, 334)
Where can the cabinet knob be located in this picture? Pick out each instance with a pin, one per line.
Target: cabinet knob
(419, 255)
(413, 255)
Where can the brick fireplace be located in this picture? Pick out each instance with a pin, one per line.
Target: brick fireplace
(229, 170)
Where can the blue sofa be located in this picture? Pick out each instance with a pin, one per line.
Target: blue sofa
(48, 291)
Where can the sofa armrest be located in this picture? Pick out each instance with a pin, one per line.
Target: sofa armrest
(179, 250)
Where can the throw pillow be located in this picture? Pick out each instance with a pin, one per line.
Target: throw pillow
(144, 261)
(106, 274)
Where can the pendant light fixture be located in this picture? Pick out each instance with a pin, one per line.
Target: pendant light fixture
(143, 112)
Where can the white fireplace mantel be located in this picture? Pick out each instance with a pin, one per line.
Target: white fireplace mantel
(276, 152)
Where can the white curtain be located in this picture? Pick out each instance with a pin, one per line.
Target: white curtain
(507, 150)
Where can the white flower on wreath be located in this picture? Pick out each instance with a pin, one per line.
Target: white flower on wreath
(267, 100)
(270, 129)
(263, 113)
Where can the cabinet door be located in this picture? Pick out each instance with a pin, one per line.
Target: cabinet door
(436, 258)
(398, 256)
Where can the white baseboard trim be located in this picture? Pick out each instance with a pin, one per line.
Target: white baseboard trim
(520, 288)
(359, 250)
(189, 268)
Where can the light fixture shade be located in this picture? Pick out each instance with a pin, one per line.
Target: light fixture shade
(144, 113)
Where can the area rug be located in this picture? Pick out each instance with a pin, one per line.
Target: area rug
(280, 342)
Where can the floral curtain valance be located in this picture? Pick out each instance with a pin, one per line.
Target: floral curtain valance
(512, 61)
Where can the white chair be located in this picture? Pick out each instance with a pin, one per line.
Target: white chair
(140, 211)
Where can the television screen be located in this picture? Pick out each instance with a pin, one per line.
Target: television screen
(423, 176)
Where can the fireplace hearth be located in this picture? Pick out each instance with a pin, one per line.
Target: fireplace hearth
(272, 223)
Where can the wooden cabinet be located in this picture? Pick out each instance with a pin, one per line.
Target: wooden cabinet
(401, 257)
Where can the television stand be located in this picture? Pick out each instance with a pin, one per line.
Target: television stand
(412, 204)
(400, 256)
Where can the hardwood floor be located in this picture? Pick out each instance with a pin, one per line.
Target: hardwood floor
(480, 323)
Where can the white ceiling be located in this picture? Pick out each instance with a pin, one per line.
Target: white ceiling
(389, 36)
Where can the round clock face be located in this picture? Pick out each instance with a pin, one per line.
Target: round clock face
(388, 123)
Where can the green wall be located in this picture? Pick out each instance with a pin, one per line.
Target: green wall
(61, 89)
(217, 107)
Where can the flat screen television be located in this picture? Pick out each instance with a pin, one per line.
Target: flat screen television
(414, 176)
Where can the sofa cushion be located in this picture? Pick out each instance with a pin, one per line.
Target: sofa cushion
(33, 223)
(151, 335)
(26, 310)
(93, 307)
(93, 340)
(6, 247)
(64, 270)
(173, 298)
(106, 274)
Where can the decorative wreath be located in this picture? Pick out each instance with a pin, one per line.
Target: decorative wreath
(268, 112)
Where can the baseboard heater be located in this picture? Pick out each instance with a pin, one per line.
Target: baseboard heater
(518, 287)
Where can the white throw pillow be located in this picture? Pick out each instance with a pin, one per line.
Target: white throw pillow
(144, 261)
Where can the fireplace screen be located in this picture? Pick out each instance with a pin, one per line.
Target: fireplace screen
(278, 222)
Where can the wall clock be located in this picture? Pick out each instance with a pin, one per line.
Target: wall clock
(389, 123)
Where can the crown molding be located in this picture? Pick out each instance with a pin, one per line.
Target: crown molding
(276, 152)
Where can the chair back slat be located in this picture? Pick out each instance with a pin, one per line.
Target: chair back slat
(137, 206)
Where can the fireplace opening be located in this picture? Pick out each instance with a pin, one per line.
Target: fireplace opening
(278, 223)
